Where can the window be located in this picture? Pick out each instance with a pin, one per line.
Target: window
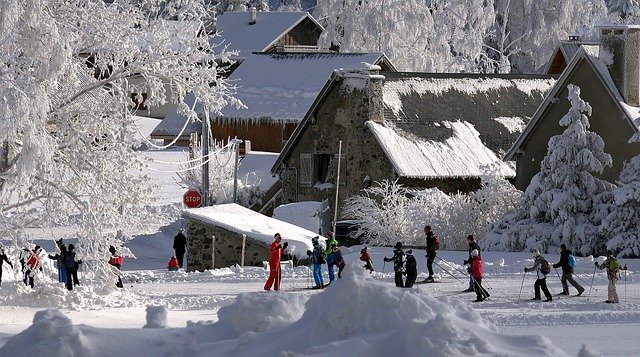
(306, 170)
(322, 166)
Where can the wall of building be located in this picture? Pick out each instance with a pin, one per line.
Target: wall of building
(606, 120)
(228, 248)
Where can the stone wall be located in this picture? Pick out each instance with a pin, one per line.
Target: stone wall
(228, 248)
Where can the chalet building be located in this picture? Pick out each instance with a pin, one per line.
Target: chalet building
(422, 129)
(564, 53)
(609, 79)
(277, 90)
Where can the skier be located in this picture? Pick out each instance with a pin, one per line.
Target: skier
(477, 273)
(473, 245)
(180, 246)
(173, 264)
(613, 274)
(3, 258)
(412, 269)
(398, 264)
(275, 272)
(59, 258)
(331, 242)
(432, 246)
(116, 260)
(32, 266)
(364, 256)
(71, 265)
(567, 272)
(541, 282)
(339, 260)
(317, 258)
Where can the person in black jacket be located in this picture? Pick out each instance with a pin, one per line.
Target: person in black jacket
(398, 264)
(431, 251)
(567, 272)
(3, 258)
(71, 265)
(411, 267)
(180, 246)
(473, 245)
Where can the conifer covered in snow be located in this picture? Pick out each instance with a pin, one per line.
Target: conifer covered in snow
(69, 71)
(560, 202)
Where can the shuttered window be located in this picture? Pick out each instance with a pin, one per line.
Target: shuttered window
(306, 170)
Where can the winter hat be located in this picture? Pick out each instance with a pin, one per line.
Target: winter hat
(474, 253)
(36, 248)
(71, 246)
(314, 240)
(535, 253)
(609, 252)
(563, 246)
(398, 245)
(470, 237)
(410, 252)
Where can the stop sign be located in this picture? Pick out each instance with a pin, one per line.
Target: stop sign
(192, 199)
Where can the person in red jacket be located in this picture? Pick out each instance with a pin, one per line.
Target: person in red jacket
(367, 259)
(173, 264)
(477, 273)
(275, 272)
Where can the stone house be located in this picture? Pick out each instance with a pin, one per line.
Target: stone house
(609, 78)
(422, 129)
(230, 224)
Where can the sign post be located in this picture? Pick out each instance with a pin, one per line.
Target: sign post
(192, 199)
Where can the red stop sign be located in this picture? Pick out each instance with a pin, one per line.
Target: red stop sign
(192, 199)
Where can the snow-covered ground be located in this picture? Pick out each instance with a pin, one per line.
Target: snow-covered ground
(224, 312)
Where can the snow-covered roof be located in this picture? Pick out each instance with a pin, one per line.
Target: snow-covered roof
(590, 54)
(233, 30)
(275, 87)
(241, 220)
(449, 125)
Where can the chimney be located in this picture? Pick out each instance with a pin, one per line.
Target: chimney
(620, 50)
(574, 38)
(253, 16)
(376, 103)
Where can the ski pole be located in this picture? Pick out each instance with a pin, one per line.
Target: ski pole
(559, 278)
(625, 283)
(483, 291)
(383, 264)
(521, 285)
(592, 277)
(452, 266)
(582, 280)
(448, 272)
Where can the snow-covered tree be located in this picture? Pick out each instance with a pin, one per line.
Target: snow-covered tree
(560, 202)
(628, 10)
(68, 73)
(622, 222)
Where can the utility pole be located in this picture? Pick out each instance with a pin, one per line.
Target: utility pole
(335, 207)
(206, 127)
(236, 143)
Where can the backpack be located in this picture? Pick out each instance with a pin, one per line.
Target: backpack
(572, 261)
(70, 259)
(545, 267)
(436, 242)
(614, 265)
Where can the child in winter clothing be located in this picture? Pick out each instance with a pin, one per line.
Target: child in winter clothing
(541, 282)
(473, 245)
(477, 273)
(317, 258)
(339, 260)
(3, 258)
(567, 271)
(364, 256)
(173, 264)
(116, 260)
(412, 269)
(613, 274)
(32, 266)
(398, 264)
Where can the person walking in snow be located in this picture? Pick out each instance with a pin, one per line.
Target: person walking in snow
(567, 272)
(411, 267)
(32, 266)
(180, 246)
(339, 260)
(3, 258)
(541, 282)
(432, 247)
(116, 261)
(473, 245)
(398, 264)
(366, 258)
(59, 258)
(477, 273)
(318, 259)
(71, 264)
(613, 274)
(275, 270)
(331, 243)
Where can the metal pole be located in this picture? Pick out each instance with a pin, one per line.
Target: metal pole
(521, 285)
(448, 272)
(335, 207)
(213, 251)
(206, 125)
(236, 143)
(244, 243)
